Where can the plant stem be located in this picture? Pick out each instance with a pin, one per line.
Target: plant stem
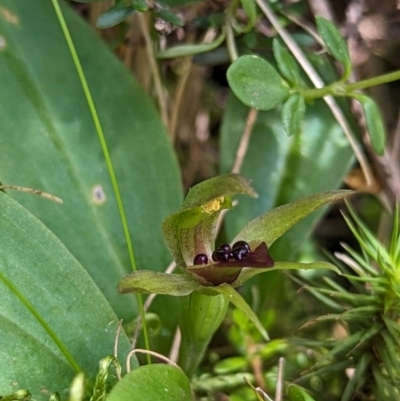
(340, 89)
(103, 143)
(367, 83)
(154, 69)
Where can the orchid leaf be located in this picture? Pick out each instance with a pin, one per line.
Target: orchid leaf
(230, 293)
(273, 224)
(151, 282)
(250, 272)
(54, 321)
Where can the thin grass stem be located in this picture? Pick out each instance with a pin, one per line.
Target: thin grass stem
(103, 143)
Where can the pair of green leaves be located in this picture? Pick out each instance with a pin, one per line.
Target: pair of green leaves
(258, 85)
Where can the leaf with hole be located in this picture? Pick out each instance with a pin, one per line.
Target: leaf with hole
(50, 143)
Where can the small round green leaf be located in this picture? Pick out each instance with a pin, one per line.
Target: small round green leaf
(114, 16)
(293, 113)
(373, 119)
(153, 382)
(334, 43)
(256, 83)
(286, 63)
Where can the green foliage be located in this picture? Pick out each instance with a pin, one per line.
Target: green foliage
(293, 113)
(256, 83)
(153, 382)
(373, 119)
(335, 43)
(370, 308)
(115, 15)
(51, 309)
(60, 263)
(55, 137)
(287, 65)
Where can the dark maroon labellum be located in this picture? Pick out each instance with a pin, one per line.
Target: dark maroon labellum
(200, 259)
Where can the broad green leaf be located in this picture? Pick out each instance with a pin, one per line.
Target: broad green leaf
(168, 16)
(256, 83)
(271, 225)
(296, 393)
(374, 121)
(49, 142)
(188, 50)
(335, 43)
(293, 113)
(153, 382)
(286, 63)
(114, 16)
(150, 282)
(54, 321)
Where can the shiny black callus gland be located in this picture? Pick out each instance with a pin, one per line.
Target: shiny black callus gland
(200, 259)
(239, 253)
(225, 247)
(240, 250)
(241, 245)
(220, 255)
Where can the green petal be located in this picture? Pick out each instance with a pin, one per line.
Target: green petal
(249, 272)
(271, 225)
